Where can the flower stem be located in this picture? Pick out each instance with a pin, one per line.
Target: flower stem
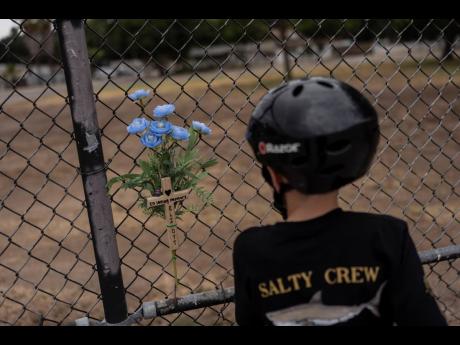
(176, 280)
(165, 138)
(141, 102)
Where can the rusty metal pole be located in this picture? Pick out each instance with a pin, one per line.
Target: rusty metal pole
(74, 53)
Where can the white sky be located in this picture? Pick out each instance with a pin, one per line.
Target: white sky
(5, 27)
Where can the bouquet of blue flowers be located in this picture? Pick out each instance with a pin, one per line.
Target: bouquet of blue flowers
(167, 158)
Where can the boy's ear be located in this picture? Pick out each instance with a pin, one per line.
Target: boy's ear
(276, 179)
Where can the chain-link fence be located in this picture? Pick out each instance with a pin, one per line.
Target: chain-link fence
(214, 71)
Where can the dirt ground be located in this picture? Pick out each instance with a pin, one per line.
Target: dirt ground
(46, 257)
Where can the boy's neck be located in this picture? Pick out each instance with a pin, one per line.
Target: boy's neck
(303, 207)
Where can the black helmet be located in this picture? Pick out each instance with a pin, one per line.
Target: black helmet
(319, 133)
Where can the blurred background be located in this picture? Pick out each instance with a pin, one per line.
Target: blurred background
(214, 71)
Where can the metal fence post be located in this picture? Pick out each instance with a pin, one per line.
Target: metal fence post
(74, 52)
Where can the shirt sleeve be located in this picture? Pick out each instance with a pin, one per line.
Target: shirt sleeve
(412, 302)
(244, 307)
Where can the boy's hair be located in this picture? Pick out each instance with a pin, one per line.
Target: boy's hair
(319, 133)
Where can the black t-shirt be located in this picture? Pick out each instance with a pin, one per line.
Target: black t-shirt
(342, 268)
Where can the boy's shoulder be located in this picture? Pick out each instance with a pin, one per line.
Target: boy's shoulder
(251, 233)
(388, 229)
(370, 223)
(377, 219)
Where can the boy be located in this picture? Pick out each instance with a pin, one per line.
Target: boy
(323, 265)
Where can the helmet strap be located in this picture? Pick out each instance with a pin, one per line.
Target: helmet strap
(280, 199)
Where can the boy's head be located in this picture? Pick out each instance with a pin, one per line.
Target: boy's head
(316, 135)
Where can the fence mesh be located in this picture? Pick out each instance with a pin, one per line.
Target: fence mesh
(214, 71)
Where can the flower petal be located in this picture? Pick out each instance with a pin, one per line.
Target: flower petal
(150, 140)
(160, 127)
(163, 110)
(179, 133)
(138, 94)
(137, 125)
(201, 127)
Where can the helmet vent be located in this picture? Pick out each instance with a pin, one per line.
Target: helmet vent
(325, 83)
(297, 90)
(338, 147)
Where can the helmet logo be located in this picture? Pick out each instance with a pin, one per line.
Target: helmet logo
(265, 148)
(262, 148)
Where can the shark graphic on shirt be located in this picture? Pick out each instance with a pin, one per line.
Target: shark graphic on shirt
(315, 313)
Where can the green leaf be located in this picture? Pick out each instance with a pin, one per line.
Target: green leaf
(145, 166)
(112, 181)
(209, 163)
(193, 139)
(121, 178)
(148, 186)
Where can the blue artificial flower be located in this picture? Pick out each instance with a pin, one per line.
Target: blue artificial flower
(136, 95)
(160, 127)
(137, 125)
(150, 140)
(163, 110)
(179, 133)
(201, 127)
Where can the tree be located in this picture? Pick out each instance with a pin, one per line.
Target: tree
(281, 26)
(158, 41)
(162, 41)
(13, 49)
(451, 31)
(39, 40)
